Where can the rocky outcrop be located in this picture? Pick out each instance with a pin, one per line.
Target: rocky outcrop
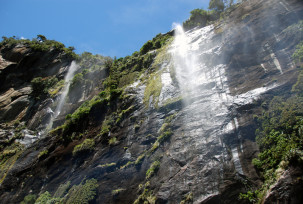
(288, 188)
(19, 65)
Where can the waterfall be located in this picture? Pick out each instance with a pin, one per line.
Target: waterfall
(185, 61)
(205, 116)
(62, 98)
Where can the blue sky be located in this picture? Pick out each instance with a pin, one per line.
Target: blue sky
(106, 27)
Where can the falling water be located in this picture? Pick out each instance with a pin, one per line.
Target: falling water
(204, 111)
(185, 61)
(68, 78)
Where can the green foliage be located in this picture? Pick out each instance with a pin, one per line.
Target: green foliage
(280, 137)
(90, 62)
(77, 79)
(41, 38)
(8, 157)
(201, 18)
(80, 116)
(217, 5)
(153, 89)
(117, 191)
(188, 198)
(107, 165)
(147, 195)
(153, 169)
(112, 141)
(147, 47)
(46, 198)
(41, 86)
(106, 126)
(43, 153)
(82, 193)
(165, 133)
(298, 86)
(29, 199)
(91, 69)
(298, 54)
(86, 145)
(294, 32)
(280, 132)
(157, 42)
(122, 115)
(128, 79)
(77, 194)
(164, 136)
(251, 196)
(41, 43)
(62, 190)
(140, 159)
(124, 71)
(155, 146)
(172, 103)
(54, 90)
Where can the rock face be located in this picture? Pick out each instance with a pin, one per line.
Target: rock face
(288, 188)
(20, 65)
(193, 142)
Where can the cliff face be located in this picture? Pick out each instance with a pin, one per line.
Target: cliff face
(182, 132)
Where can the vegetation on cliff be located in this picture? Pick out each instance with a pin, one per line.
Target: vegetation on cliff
(81, 193)
(201, 17)
(280, 136)
(41, 43)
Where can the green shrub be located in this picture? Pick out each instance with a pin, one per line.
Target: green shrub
(153, 89)
(41, 85)
(117, 191)
(298, 86)
(40, 44)
(140, 159)
(86, 145)
(146, 47)
(280, 140)
(112, 141)
(251, 196)
(298, 54)
(164, 136)
(54, 90)
(157, 42)
(29, 199)
(77, 79)
(80, 116)
(43, 153)
(46, 198)
(188, 198)
(280, 131)
(82, 193)
(153, 169)
(201, 18)
(128, 79)
(62, 190)
(107, 165)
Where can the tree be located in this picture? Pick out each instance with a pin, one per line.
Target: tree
(41, 38)
(217, 5)
(146, 47)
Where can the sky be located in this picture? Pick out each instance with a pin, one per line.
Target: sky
(113, 28)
